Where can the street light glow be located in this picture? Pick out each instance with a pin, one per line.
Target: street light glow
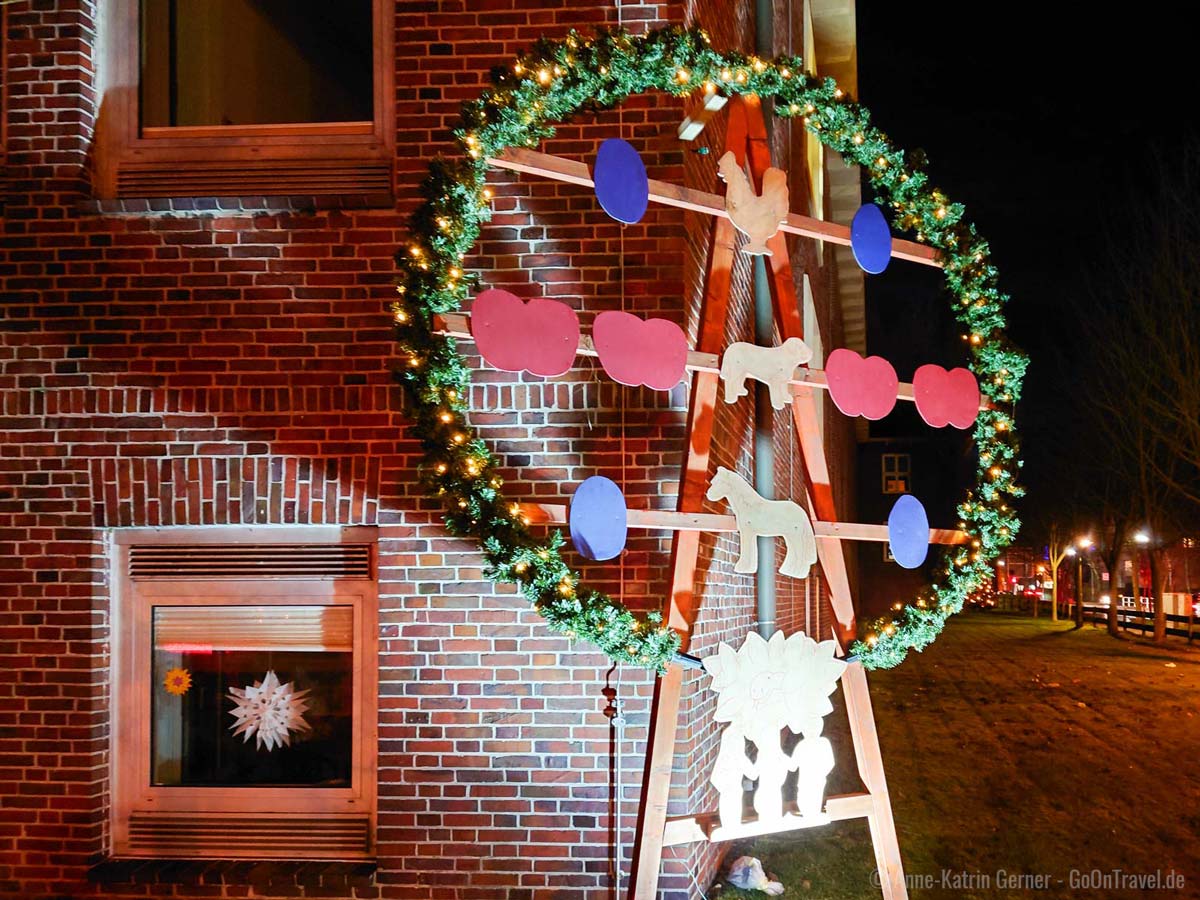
(1141, 538)
(1084, 543)
(1070, 551)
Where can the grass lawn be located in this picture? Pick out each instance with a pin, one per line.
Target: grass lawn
(1014, 744)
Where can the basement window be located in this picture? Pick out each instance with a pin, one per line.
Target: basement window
(220, 98)
(244, 689)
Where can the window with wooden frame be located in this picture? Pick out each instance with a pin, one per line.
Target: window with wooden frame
(244, 693)
(897, 473)
(229, 98)
(814, 150)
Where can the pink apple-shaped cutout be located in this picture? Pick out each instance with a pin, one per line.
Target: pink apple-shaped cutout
(541, 336)
(861, 387)
(635, 351)
(946, 398)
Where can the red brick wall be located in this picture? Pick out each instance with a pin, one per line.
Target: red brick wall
(227, 363)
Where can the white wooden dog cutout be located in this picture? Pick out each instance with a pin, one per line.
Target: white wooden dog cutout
(773, 366)
(768, 518)
(757, 217)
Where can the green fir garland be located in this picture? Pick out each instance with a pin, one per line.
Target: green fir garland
(551, 83)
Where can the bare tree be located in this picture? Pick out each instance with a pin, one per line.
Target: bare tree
(1143, 397)
(1056, 548)
(1156, 282)
(1109, 489)
(1051, 525)
(1164, 510)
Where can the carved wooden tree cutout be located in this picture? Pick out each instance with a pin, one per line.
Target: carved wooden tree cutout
(763, 688)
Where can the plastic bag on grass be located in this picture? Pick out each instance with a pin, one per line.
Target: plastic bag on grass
(747, 873)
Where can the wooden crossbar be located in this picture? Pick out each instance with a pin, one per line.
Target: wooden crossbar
(531, 162)
(706, 827)
(458, 325)
(672, 520)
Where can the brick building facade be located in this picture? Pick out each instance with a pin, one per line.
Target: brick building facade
(187, 362)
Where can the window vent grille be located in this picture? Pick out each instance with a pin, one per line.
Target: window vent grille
(217, 178)
(223, 836)
(202, 561)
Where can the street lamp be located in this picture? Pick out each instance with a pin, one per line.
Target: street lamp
(1141, 538)
(1083, 543)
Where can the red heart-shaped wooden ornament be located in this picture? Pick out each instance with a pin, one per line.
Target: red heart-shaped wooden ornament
(635, 351)
(541, 336)
(946, 397)
(861, 387)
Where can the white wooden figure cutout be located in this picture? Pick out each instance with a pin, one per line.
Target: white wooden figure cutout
(763, 688)
(757, 217)
(769, 518)
(773, 366)
(730, 770)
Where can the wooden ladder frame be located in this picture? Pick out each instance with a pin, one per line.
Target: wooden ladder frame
(746, 136)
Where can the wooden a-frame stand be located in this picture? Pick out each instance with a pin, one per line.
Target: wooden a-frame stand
(746, 135)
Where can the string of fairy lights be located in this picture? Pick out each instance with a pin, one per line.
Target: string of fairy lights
(558, 79)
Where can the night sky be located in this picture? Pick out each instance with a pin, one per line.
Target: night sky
(1043, 120)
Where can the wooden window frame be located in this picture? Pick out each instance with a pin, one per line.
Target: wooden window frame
(814, 150)
(897, 472)
(132, 606)
(337, 153)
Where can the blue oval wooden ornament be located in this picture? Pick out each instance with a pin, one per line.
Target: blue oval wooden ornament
(871, 239)
(621, 183)
(597, 519)
(908, 532)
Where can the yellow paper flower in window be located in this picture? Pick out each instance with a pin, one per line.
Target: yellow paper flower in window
(177, 682)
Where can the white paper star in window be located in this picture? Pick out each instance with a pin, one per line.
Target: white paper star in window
(268, 710)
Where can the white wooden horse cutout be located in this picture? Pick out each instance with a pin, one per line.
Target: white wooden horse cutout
(773, 366)
(769, 518)
(757, 217)
(763, 687)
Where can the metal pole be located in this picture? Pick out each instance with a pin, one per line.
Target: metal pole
(1079, 589)
(764, 413)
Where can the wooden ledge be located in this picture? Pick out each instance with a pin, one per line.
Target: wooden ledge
(706, 827)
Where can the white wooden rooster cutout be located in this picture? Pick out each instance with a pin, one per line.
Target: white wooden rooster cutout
(757, 217)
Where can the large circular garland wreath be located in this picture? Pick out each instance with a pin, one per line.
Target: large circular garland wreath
(556, 80)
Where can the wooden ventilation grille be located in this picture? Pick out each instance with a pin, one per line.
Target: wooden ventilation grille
(242, 179)
(242, 836)
(179, 561)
